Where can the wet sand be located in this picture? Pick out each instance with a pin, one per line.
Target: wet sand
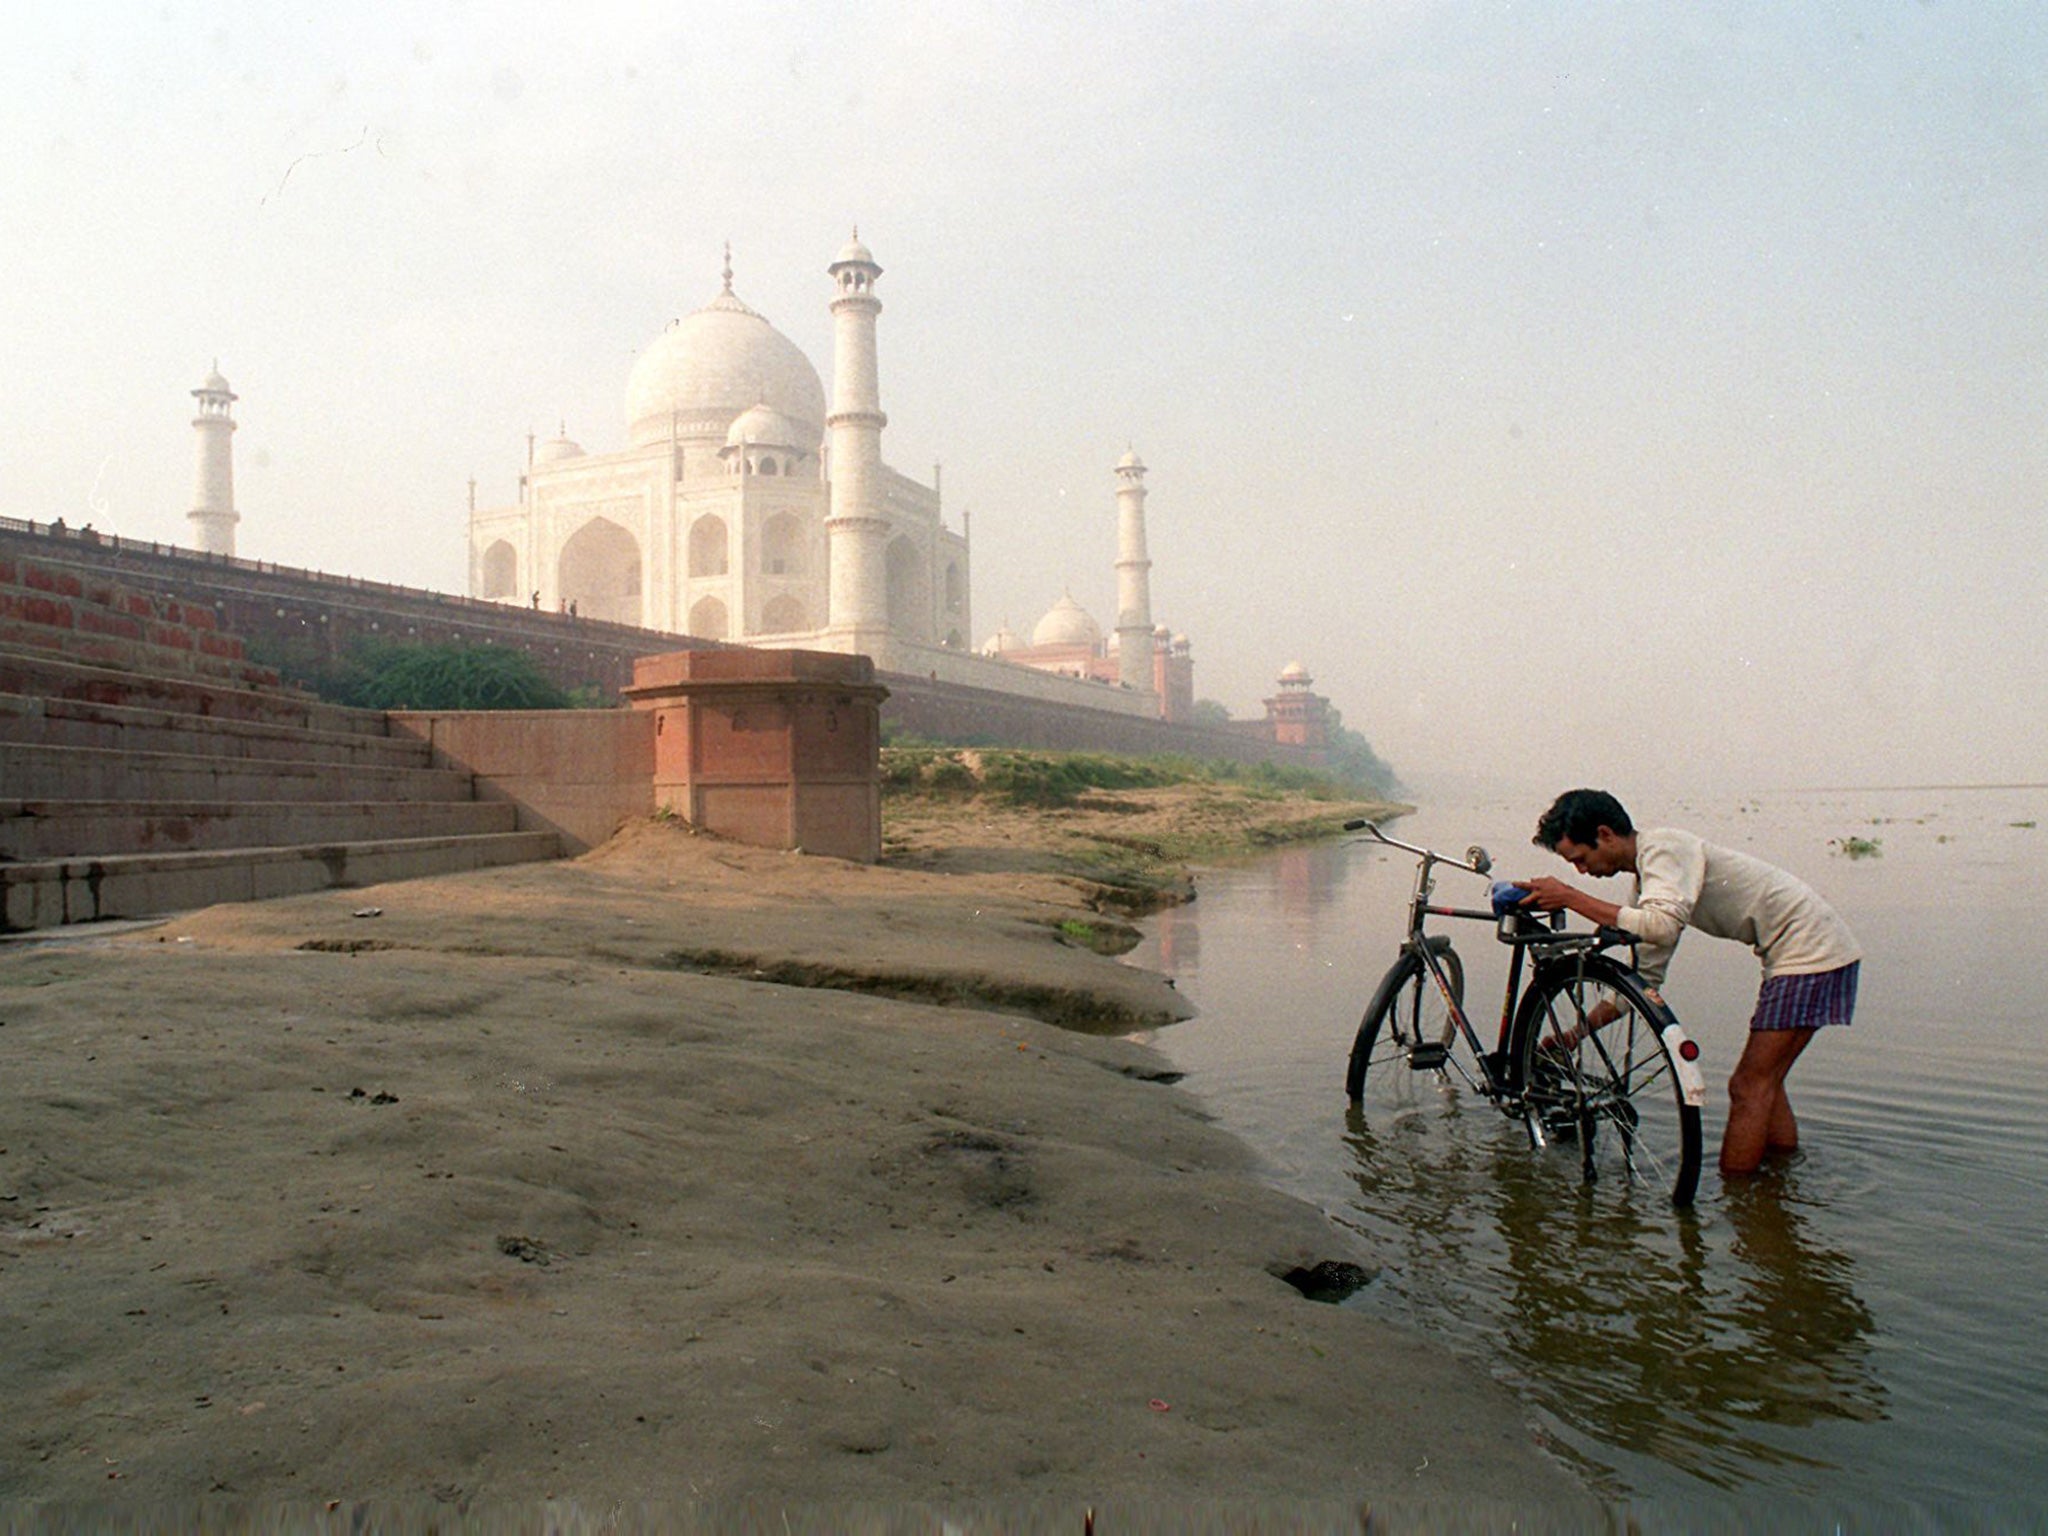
(684, 1175)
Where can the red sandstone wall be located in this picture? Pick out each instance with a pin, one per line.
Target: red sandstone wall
(576, 772)
(303, 621)
(298, 621)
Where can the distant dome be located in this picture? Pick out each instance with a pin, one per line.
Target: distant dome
(854, 251)
(1002, 640)
(556, 448)
(1066, 623)
(708, 367)
(1294, 672)
(766, 427)
(1130, 460)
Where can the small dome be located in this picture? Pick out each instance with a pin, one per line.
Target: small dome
(1130, 460)
(214, 384)
(854, 252)
(1066, 623)
(1294, 672)
(1162, 633)
(556, 449)
(766, 427)
(1002, 640)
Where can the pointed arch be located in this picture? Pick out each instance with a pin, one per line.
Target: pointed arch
(499, 574)
(710, 546)
(785, 542)
(708, 619)
(784, 615)
(599, 571)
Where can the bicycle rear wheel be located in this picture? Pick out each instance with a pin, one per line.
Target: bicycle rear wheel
(1407, 1010)
(1627, 1096)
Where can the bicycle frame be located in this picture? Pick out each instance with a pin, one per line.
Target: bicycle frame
(1495, 1066)
(1542, 1068)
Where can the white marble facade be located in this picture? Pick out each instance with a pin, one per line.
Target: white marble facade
(724, 516)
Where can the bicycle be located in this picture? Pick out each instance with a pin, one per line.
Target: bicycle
(1626, 1088)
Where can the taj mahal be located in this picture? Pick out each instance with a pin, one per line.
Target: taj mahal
(748, 507)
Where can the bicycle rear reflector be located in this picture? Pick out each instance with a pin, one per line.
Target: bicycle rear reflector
(1690, 1050)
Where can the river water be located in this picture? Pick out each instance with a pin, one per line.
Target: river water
(1859, 1332)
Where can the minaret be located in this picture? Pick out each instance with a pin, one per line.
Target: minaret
(857, 599)
(1133, 579)
(213, 513)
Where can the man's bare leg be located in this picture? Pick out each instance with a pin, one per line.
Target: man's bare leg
(1760, 1117)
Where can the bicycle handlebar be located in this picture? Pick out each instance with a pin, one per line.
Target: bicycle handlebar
(1476, 860)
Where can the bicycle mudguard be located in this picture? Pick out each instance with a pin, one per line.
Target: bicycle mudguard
(1684, 1050)
(1439, 943)
(1683, 1061)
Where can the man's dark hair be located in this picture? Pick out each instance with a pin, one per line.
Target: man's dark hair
(1579, 814)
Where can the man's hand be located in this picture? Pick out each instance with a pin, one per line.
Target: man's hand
(1550, 895)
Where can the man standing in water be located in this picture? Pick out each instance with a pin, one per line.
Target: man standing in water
(1809, 956)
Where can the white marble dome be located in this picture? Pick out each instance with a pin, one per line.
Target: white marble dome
(1066, 623)
(556, 449)
(710, 366)
(765, 427)
(1295, 674)
(1002, 640)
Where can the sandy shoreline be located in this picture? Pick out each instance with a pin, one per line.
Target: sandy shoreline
(527, 1189)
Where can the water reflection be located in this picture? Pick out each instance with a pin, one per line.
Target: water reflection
(1684, 1337)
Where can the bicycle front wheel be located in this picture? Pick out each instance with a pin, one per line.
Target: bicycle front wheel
(1625, 1096)
(1407, 1011)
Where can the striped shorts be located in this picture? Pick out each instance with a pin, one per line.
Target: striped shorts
(1807, 1002)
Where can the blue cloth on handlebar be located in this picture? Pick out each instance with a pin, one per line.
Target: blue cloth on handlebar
(1507, 896)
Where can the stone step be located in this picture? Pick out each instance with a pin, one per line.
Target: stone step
(62, 829)
(48, 675)
(119, 727)
(33, 771)
(49, 893)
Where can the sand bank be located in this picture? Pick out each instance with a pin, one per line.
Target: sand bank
(525, 1189)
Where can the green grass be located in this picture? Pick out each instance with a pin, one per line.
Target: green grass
(1857, 847)
(1050, 780)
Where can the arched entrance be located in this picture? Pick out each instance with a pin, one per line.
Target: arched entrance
(709, 544)
(708, 619)
(499, 575)
(784, 615)
(599, 572)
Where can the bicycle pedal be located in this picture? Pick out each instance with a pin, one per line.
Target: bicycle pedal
(1428, 1058)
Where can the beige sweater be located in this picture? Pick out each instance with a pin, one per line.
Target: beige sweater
(1682, 882)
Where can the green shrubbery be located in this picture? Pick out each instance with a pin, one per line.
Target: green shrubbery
(1048, 780)
(396, 676)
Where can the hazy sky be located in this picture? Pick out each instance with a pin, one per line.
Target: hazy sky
(1648, 395)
